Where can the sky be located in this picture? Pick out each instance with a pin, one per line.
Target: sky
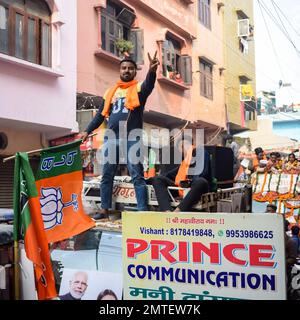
(282, 62)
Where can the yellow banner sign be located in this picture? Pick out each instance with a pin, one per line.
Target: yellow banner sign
(203, 256)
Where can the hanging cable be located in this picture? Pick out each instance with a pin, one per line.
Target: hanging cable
(274, 50)
(282, 29)
(288, 21)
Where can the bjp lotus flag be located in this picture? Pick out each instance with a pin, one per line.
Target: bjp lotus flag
(28, 226)
(59, 184)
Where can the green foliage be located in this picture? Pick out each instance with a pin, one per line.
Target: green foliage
(124, 46)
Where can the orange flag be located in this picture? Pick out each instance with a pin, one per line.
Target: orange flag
(59, 184)
(28, 226)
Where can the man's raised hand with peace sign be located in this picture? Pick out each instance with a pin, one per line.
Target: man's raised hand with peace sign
(153, 62)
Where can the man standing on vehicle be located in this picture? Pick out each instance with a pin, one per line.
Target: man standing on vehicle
(124, 106)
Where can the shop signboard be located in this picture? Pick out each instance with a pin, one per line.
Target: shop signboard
(203, 256)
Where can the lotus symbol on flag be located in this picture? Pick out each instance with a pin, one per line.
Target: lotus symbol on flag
(52, 206)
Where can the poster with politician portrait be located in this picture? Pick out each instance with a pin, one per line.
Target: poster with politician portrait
(90, 285)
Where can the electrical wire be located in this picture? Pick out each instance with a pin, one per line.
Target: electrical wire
(275, 6)
(237, 52)
(274, 50)
(283, 26)
(214, 137)
(286, 18)
(284, 31)
(274, 19)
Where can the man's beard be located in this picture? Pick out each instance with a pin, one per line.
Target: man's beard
(126, 78)
(76, 295)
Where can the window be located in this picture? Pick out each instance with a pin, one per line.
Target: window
(206, 79)
(249, 110)
(25, 30)
(116, 22)
(204, 13)
(247, 98)
(176, 66)
(3, 29)
(137, 38)
(244, 31)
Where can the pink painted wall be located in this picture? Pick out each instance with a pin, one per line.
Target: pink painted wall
(38, 100)
(95, 74)
(176, 12)
(209, 43)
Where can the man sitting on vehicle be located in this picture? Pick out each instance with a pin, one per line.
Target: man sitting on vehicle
(199, 184)
(260, 155)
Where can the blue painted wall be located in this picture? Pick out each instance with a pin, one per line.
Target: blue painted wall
(290, 129)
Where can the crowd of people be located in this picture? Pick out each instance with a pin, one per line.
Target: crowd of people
(263, 162)
(274, 162)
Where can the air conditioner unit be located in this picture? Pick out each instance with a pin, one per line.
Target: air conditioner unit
(126, 17)
(243, 28)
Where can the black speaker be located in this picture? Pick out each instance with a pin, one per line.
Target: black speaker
(221, 161)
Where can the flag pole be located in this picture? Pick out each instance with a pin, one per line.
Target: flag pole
(29, 152)
(39, 150)
(16, 270)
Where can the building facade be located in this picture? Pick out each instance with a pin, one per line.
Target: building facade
(240, 83)
(174, 29)
(37, 77)
(266, 102)
(208, 99)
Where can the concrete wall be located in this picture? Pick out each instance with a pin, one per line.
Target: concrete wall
(236, 62)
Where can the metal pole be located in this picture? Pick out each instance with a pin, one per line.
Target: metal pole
(16, 271)
(38, 150)
(29, 152)
(248, 198)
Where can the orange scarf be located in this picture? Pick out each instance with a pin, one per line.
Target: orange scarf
(132, 98)
(184, 168)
